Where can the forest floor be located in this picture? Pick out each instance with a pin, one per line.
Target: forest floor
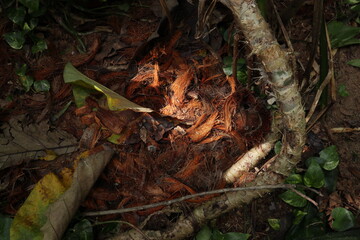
(184, 82)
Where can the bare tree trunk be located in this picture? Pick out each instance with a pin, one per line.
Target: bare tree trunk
(275, 62)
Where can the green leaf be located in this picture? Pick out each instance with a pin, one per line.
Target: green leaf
(16, 39)
(274, 223)
(114, 100)
(319, 160)
(31, 25)
(263, 7)
(277, 147)
(331, 157)
(293, 199)
(331, 179)
(236, 236)
(294, 179)
(314, 176)
(32, 5)
(342, 35)
(342, 91)
(354, 62)
(17, 15)
(41, 86)
(80, 95)
(204, 234)
(27, 82)
(81, 231)
(299, 216)
(307, 229)
(217, 235)
(5, 223)
(352, 1)
(21, 72)
(39, 46)
(343, 219)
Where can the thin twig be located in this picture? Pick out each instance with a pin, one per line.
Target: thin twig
(225, 190)
(344, 130)
(304, 196)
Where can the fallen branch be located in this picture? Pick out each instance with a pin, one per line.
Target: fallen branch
(219, 191)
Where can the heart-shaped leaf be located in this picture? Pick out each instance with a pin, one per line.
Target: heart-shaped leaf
(343, 219)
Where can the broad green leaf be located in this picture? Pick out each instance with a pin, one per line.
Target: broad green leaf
(81, 231)
(39, 46)
(342, 35)
(293, 199)
(204, 234)
(114, 100)
(235, 236)
(32, 5)
(319, 160)
(15, 40)
(294, 179)
(299, 216)
(5, 223)
(343, 219)
(274, 223)
(314, 176)
(41, 86)
(331, 157)
(342, 91)
(354, 62)
(27, 82)
(17, 15)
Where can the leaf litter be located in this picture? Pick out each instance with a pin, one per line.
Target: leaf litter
(202, 122)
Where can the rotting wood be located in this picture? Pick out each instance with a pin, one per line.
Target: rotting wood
(275, 62)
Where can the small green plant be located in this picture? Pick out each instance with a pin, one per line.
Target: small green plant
(207, 233)
(308, 222)
(28, 81)
(342, 35)
(241, 74)
(342, 91)
(25, 15)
